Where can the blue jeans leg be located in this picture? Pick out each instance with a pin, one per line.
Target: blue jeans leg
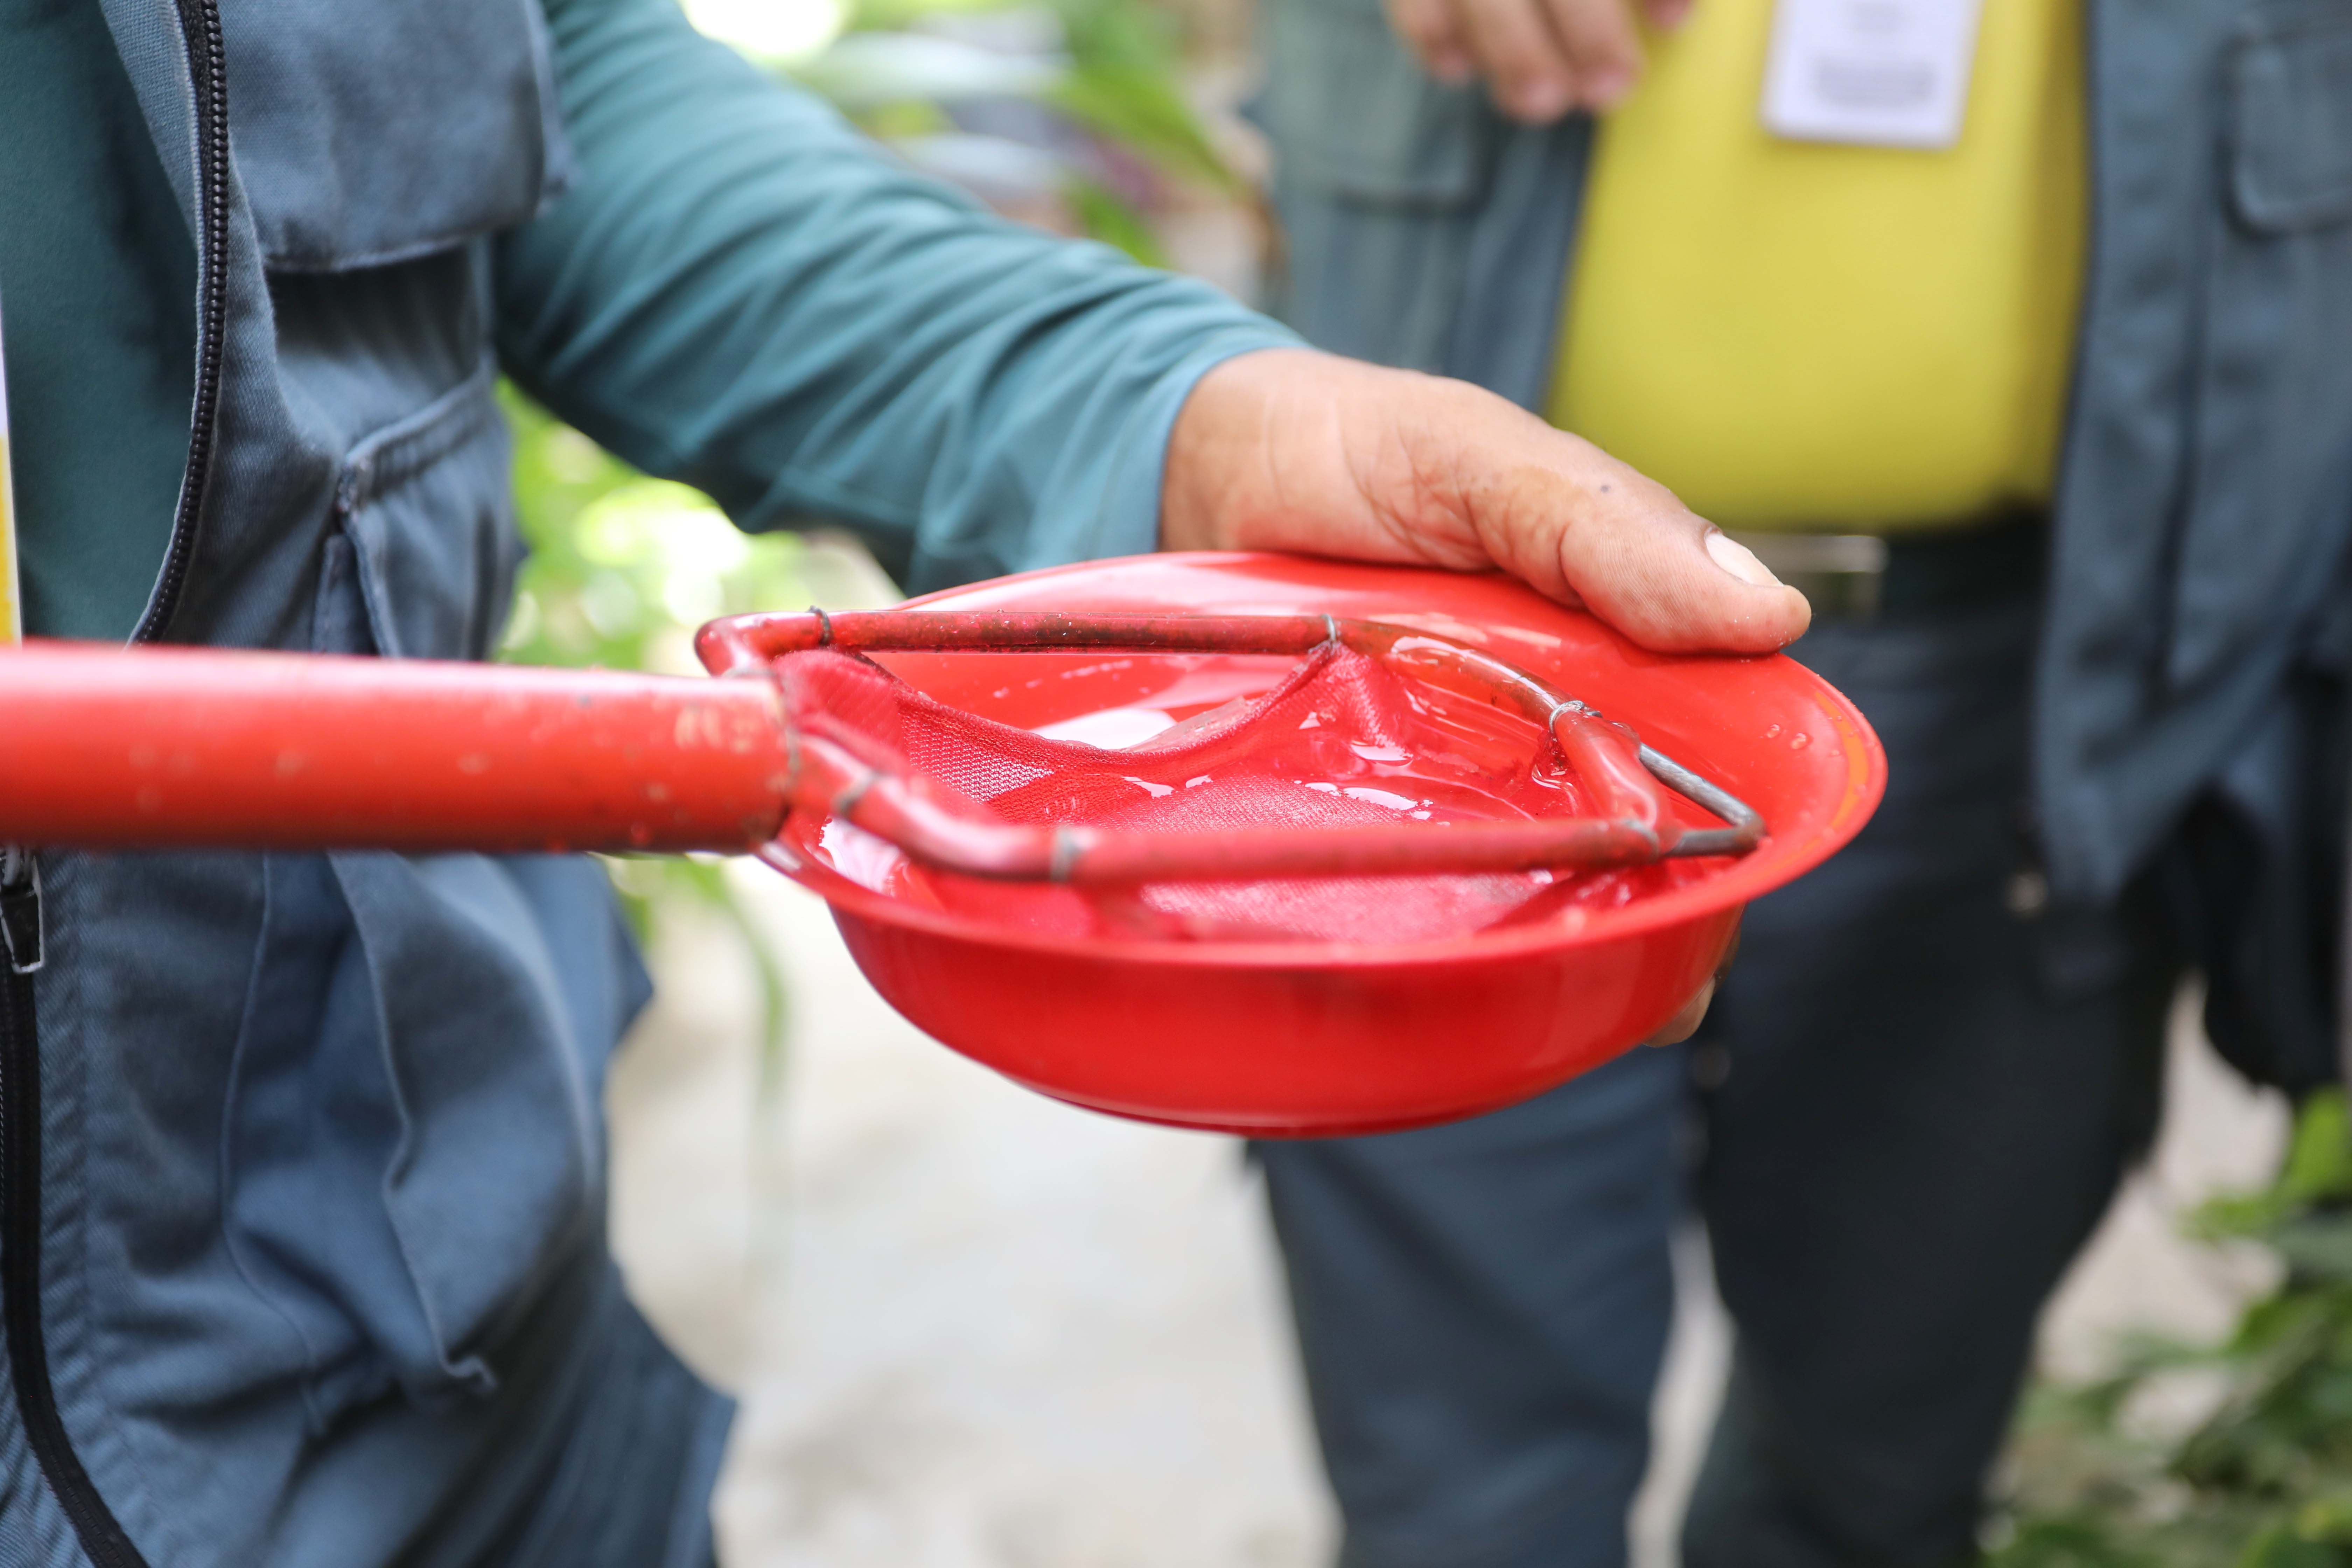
(1930, 1097)
(1930, 1093)
(1482, 1308)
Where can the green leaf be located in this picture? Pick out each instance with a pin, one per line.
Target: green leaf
(881, 15)
(2319, 1159)
(2327, 1517)
(865, 71)
(1104, 217)
(2317, 1172)
(2076, 1540)
(1142, 109)
(2281, 1546)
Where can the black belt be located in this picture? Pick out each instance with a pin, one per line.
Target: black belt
(1867, 576)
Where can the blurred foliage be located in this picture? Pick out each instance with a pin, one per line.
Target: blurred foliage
(2263, 1480)
(1071, 112)
(622, 569)
(1124, 85)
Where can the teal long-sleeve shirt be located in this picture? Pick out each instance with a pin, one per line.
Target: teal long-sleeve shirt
(737, 290)
(742, 291)
(98, 311)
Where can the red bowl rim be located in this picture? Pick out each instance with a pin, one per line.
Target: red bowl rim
(1771, 865)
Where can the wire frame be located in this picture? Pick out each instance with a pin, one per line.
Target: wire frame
(1620, 772)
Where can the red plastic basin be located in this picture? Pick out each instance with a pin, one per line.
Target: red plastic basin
(1293, 1039)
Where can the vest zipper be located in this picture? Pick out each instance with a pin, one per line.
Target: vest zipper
(102, 1539)
(94, 1525)
(200, 24)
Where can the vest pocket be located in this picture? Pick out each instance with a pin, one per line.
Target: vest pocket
(425, 505)
(2291, 120)
(1381, 173)
(414, 1145)
(2272, 422)
(366, 133)
(1354, 116)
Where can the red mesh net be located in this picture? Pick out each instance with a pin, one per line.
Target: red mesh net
(1343, 740)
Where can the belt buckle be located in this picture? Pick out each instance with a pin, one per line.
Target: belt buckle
(1841, 575)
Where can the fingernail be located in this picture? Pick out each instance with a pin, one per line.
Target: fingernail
(1668, 14)
(1738, 560)
(1542, 101)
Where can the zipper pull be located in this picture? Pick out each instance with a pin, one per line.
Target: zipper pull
(20, 909)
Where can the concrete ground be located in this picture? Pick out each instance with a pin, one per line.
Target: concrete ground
(975, 1328)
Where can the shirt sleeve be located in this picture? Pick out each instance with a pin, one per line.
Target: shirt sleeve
(740, 290)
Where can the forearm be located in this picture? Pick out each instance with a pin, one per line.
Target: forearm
(742, 291)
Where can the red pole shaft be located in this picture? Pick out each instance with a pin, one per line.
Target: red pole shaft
(103, 748)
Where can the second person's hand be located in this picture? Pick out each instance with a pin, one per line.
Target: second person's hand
(1290, 449)
(1539, 58)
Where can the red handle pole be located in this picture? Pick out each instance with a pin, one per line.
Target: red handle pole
(106, 748)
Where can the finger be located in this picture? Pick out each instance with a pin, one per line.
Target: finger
(1588, 529)
(1526, 69)
(1602, 46)
(1685, 1024)
(1666, 15)
(1670, 580)
(1678, 585)
(1427, 28)
(1568, 519)
(1290, 449)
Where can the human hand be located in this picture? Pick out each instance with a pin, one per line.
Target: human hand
(1686, 1022)
(1540, 58)
(1291, 449)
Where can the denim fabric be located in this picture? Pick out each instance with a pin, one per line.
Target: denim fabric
(33, 1530)
(1481, 1308)
(1930, 1100)
(1419, 228)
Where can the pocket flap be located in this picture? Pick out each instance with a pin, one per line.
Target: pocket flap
(425, 507)
(2291, 119)
(370, 134)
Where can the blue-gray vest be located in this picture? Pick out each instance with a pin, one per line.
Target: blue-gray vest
(301, 1232)
(2205, 498)
(262, 1289)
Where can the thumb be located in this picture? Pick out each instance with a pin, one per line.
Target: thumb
(1586, 528)
(1287, 449)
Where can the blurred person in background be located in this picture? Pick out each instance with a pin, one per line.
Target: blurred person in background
(2020, 343)
(302, 1195)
